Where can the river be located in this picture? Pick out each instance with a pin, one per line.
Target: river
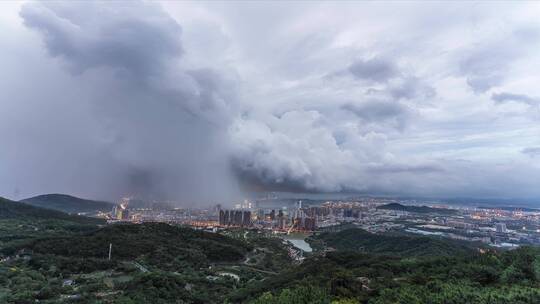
(298, 241)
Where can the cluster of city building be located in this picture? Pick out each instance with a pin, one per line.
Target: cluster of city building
(284, 219)
(121, 211)
(493, 226)
(238, 218)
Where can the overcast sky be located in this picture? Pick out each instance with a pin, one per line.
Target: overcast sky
(201, 101)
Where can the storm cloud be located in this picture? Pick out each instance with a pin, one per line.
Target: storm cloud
(136, 38)
(509, 97)
(531, 151)
(161, 126)
(198, 102)
(375, 69)
(391, 113)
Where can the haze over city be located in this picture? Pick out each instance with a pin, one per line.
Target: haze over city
(197, 101)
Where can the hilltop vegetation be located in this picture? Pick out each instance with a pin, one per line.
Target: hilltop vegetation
(68, 203)
(416, 209)
(160, 263)
(352, 277)
(21, 211)
(391, 244)
(21, 223)
(380, 269)
(157, 243)
(151, 262)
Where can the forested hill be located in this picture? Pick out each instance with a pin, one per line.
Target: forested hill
(160, 244)
(399, 245)
(347, 277)
(20, 211)
(370, 268)
(417, 209)
(68, 203)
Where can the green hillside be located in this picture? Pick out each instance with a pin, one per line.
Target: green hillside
(400, 245)
(21, 211)
(68, 203)
(21, 223)
(151, 263)
(157, 243)
(160, 263)
(346, 277)
(416, 209)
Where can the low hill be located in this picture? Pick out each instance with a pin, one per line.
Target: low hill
(21, 223)
(388, 244)
(157, 244)
(20, 211)
(492, 277)
(417, 209)
(68, 203)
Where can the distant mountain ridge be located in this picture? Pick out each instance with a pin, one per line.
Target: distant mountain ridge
(67, 203)
(417, 209)
(21, 211)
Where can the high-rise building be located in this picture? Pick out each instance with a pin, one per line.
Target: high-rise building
(125, 214)
(217, 209)
(260, 214)
(246, 218)
(500, 227)
(120, 212)
(227, 218)
(235, 218)
(281, 220)
(221, 217)
(309, 224)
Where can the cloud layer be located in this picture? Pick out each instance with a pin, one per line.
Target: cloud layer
(159, 128)
(199, 101)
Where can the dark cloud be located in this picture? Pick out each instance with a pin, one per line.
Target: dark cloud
(381, 112)
(138, 39)
(163, 126)
(387, 78)
(531, 151)
(481, 83)
(488, 64)
(486, 67)
(375, 69)
(261, 179)
(509, 97)
(406, 168)
(410, 88)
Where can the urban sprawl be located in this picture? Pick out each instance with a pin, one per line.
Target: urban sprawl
(495, 226)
